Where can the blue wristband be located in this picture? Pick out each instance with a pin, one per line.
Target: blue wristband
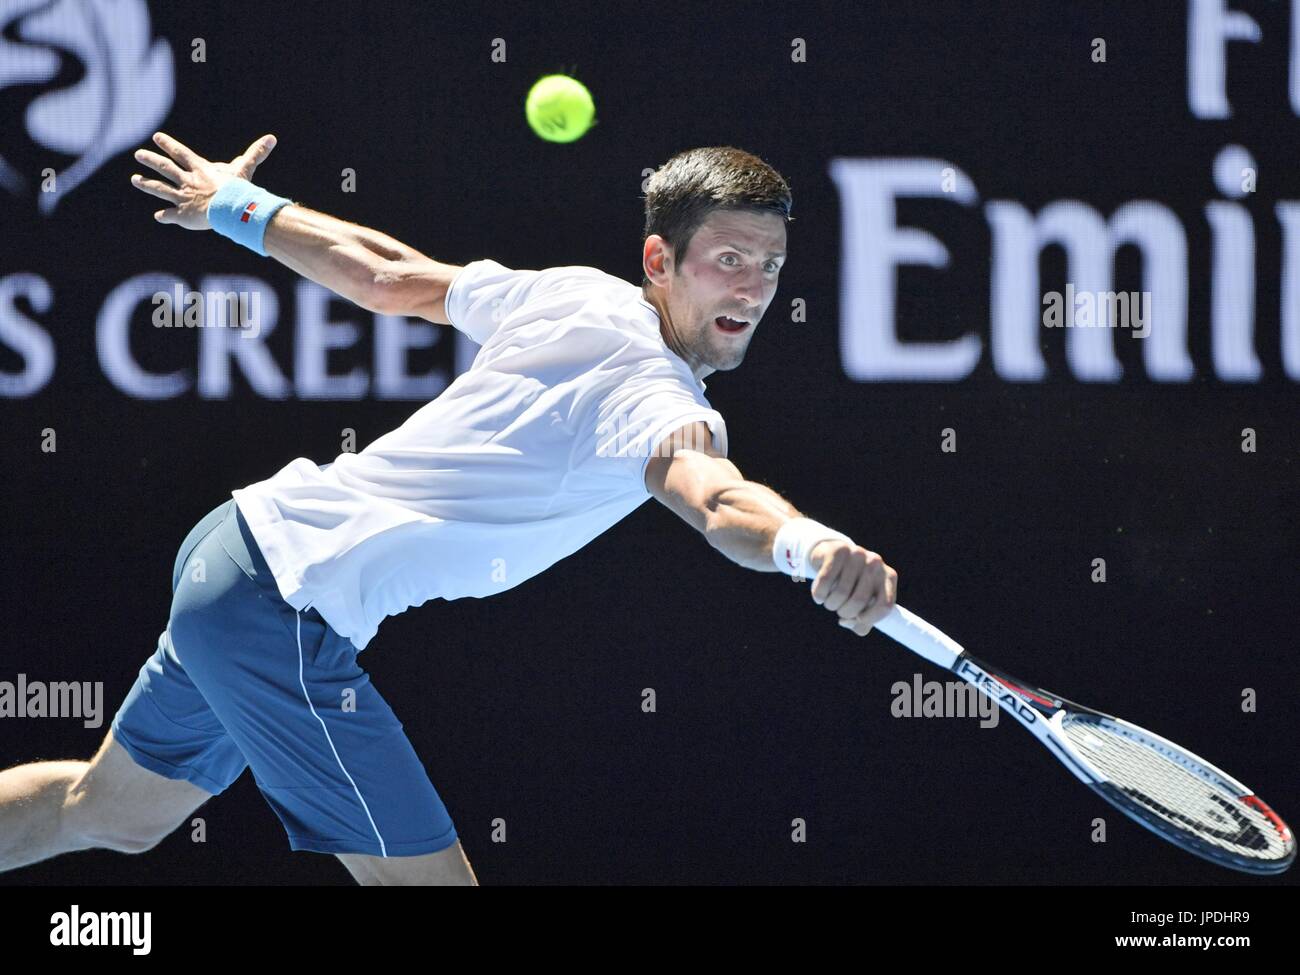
(241, 211)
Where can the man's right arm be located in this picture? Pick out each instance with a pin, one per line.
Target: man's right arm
(741, 519)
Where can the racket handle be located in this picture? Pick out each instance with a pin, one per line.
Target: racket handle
(920, 637)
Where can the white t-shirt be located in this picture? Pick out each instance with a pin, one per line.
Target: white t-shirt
(525, 458)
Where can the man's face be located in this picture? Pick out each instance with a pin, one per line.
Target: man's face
(731, 269)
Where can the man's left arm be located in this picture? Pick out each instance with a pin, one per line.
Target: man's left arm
(369, 268)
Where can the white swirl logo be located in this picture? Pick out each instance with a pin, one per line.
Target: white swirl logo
(125, 93)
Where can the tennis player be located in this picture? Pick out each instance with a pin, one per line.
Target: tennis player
(585, 400)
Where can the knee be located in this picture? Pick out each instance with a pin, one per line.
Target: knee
(92, 822)
(446, 868)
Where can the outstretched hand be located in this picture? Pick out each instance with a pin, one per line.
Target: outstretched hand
(854, 583)
(194, 180)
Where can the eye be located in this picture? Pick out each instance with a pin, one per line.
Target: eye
(774, 267)
(725, 256)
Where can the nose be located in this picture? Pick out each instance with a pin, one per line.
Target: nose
(749, 290)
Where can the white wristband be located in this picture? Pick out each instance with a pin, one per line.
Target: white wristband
(794, 540)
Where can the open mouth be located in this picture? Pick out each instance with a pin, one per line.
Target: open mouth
(730, 324)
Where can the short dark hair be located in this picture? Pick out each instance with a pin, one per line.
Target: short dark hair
(692, 184)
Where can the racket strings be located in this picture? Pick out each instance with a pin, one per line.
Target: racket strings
(1154, 776)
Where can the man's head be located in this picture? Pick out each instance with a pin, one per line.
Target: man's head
(713, 246)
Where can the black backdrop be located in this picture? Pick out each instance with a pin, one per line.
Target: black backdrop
(526, 707)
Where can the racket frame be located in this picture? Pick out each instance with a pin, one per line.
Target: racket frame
(1043, 714)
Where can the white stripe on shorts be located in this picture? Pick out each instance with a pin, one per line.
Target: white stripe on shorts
(383, 849)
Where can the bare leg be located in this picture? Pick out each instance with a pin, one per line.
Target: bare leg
(48, 808)
(449, 867)
(31, 803)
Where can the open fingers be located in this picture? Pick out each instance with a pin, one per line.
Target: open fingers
(182, 153)
(156, 187)
(257, 152)
(160, 164)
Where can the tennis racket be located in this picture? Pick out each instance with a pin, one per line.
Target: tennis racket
(1177, 795)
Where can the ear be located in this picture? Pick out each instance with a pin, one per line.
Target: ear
(656, 259)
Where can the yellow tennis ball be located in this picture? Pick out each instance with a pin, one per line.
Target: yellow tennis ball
(559, 108)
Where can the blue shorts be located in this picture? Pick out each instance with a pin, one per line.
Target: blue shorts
(242, 679)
